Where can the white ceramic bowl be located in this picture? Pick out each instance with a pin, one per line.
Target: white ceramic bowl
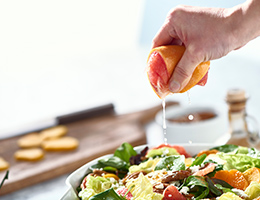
(205, 131)
(74, 179)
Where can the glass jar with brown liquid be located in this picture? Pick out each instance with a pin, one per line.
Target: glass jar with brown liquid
(243, 128)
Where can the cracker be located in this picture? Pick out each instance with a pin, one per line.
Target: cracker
(30, 140)
(3, 164)
(60, 144)
(33, 154)
(54, 132)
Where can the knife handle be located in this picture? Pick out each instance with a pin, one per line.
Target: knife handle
(106, 109)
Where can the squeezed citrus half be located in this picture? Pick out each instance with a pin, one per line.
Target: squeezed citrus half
(161, 64)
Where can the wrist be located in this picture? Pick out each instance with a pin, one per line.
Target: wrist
(243, 22)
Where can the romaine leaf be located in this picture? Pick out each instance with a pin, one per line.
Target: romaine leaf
(199, 160)
(171, 163)
(125, 152)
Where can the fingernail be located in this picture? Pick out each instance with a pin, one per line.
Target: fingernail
(174, 86)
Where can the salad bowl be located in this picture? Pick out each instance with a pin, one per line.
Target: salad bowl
(232, 155)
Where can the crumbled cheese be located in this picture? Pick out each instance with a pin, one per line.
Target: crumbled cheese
(175, 183)
(160, 186)
(112, 179)
(240, 193)
(165, 152)
(194, 169)
(184, 190)
(169, 172)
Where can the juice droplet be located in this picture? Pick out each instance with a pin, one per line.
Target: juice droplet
(164, 121)
(190, 117)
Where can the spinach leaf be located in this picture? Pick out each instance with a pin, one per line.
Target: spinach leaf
(221, 182)
(196, 180)
(115, 162)
(213, 188)
(109, 194)
(171, 163)
(198, 186)
(119, 161)
(105, 165)
(110, 169)
(224, 189)
(5, 178)
(125, 152)
(199, 160)
(226, 148)
(97, 166)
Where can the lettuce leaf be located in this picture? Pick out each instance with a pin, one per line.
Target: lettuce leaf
(253, 190)
(241, 162)
(142, 189)
(94, 185)
(146, 166)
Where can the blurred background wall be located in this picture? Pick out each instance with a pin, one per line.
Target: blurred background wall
(59, 56)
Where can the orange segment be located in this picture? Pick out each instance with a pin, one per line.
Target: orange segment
(252, 174)
(161, 64)
(233, 177)
(207, 152)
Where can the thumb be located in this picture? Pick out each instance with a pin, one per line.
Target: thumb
(183, 72)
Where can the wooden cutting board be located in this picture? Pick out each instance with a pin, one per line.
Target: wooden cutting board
(97, 135)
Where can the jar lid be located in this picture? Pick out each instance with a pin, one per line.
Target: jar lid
(236, 95)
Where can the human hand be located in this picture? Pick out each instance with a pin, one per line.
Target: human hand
(207, 34)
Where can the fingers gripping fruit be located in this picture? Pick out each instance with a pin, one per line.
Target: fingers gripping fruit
(161, 64)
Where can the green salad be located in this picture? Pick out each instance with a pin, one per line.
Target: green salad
(168, 172)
